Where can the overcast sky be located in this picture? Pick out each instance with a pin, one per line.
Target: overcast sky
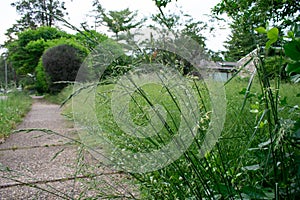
(78, 10)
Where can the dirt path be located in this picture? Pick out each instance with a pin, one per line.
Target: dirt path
(37, 165)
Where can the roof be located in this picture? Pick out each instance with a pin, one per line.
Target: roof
(221, 66)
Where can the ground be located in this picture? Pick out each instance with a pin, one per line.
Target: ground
(39, 165)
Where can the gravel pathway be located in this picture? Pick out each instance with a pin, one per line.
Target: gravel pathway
(37, 165)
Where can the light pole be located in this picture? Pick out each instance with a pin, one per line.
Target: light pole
(5, 63)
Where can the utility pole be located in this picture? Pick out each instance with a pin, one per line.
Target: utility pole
(5, 63)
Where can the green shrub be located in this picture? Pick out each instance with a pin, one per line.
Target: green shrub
(42, 79)
(62, 63)
(90, 39)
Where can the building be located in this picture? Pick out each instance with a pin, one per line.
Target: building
(220, 71)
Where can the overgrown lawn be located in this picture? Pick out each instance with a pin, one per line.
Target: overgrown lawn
(240, 164)
(12, 111)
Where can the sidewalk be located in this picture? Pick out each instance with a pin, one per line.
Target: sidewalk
(37, 165)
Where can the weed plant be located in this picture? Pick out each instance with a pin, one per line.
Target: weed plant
(256, 157)
(241, 164)
(12, 110)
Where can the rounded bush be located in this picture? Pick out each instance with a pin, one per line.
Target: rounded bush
(62, 63)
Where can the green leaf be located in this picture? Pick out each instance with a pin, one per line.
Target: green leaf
(273, 34)
(243, 91)
(269, 43)
(283, 102)
(293, 68)
(290, 34)
(261, 125)
(261, 30)
(273, 37)
(292, 50)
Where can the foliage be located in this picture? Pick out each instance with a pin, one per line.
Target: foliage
(241, 41)
(42, 80)
(279, 167)
(179, 26)
(256, 155)
(90, 38)
(275, 66)
(272, 35)
(68, 41)
(24, 53)
(284, 13)
(239, 167)
(162, 3)
(109, 60)
(183, 25)
(168, 21)
(193, 31)
(292, 51)
(118, 21)
(35, 13)
(12, 111)
(274, 62)
(247, 15)
(62, 63)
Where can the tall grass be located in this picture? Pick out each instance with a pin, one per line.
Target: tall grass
(12, 110)
(241, 166)
(256, 156)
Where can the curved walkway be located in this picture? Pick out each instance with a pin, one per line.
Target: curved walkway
(37, 165)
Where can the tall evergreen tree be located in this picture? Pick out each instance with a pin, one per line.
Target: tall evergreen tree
(36, 13)
(39, 12)
(246, 15)
(242, 40)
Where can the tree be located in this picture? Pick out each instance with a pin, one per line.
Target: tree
(242, 40)
(258, 12)
(118, 21)
(162, 3)
(35, 13)
(25, 51)
(174, 22)
(39, 12)
(62, 63)
(246, 15)
(43, 83)
(193, 30)
(90, 38)
(10, 72)
(168, 20)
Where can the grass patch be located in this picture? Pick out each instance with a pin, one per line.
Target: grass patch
(12, 111)
(60, 97)
(240, 166)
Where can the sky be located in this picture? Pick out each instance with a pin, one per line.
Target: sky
(79, 9)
